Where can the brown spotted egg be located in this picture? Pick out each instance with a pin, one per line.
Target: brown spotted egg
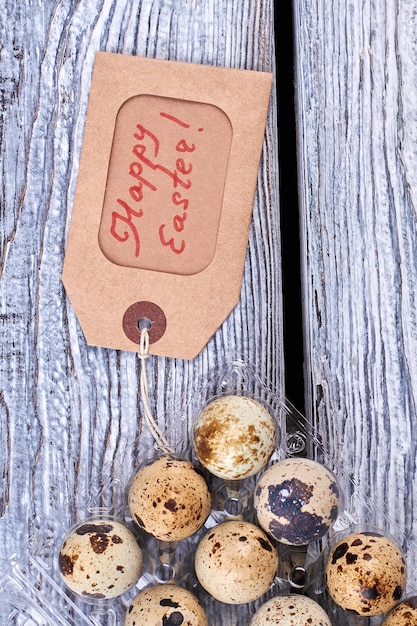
(297, 500)
(165, 605)
(291, 610)
(236, 562)
(365, 573)
(100, 559)
(234, 437)
(169, 499)
(404, 614)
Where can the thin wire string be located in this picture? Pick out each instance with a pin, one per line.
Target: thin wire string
(157, 434)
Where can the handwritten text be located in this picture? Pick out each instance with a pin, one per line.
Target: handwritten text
(145, 172)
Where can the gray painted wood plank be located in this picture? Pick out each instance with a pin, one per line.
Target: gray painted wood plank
(70, 413)
(356, 76)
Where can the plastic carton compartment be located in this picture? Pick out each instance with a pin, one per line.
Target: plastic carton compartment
(32, 592)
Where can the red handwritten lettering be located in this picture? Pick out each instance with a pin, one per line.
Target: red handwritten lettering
(182, 146)
(139, 150)
(178, 222)
(178, 200)
(181, 167)
(136, 193)
(170, 242)
(135, 170)
(146, 152)
(126, 219)
(143, 132)
(174, 119)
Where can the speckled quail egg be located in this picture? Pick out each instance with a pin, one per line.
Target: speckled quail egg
(235, 562)
(297, 500)
(291, 610)
(365, 573)
(404, 614)
(234, 437)
(165, 605)
(100, 558)
(169, 499)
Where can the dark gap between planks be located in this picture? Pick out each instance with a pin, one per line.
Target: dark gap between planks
(290, 222)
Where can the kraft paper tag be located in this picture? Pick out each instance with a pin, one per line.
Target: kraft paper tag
(163, 201)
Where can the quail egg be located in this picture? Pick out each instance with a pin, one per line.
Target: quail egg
(297, 500)
(169, 499)
(234, 437)
(100, 559)
(365, 573)
(235, 562)
(291, 610)
(404, 614)
(165, 605)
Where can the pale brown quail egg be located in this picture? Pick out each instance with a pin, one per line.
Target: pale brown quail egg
(404, 614)
(169, 499)
(365, 573)
(291, 610)
(165, 605)
(235, 562)
(297, 500)
(234, 437)
(100, 558)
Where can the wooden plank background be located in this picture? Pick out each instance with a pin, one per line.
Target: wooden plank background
(70, 414)
(356, 112)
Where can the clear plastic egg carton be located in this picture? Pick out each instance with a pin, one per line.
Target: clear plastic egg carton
(32, 592)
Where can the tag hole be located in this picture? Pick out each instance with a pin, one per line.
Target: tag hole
(144, 316)
(144, 323)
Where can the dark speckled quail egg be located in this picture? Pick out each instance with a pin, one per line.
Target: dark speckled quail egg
(165, 605)
(404, 614)
(100, 559)
(291, 610)
(234, 437)
(297, 500)
(169, 499)
(235, 562)
(365, 573)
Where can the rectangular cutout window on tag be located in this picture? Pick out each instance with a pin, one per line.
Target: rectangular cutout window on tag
(164, 201)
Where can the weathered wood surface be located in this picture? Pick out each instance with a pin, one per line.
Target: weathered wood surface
(356, 83)
(69, 412)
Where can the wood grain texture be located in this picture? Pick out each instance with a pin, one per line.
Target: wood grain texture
(69, 413)
(357, 109)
